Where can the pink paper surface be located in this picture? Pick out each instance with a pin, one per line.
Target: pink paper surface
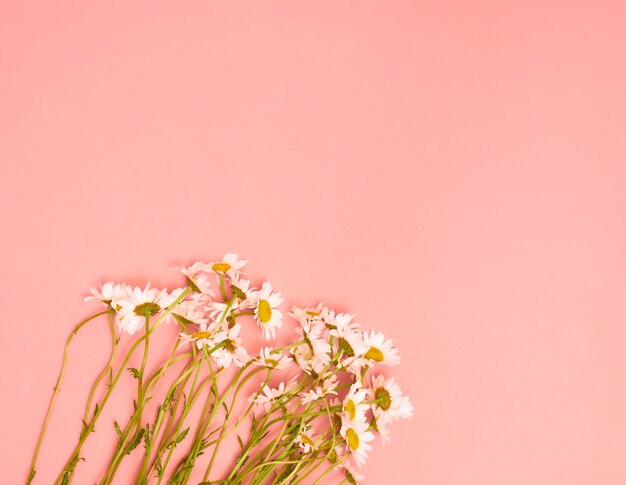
(452, 172)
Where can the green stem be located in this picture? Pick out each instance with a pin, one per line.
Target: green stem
(105, 371)
(57, 388)
(229, 414)
(73, 459)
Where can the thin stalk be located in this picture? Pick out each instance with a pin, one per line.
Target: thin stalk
(57, 388)
(73, 459)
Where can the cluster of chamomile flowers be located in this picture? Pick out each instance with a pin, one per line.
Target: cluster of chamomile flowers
(213, 320)
(332, 349)
(337, 353)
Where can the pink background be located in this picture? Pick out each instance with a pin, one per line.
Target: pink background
(453, 172)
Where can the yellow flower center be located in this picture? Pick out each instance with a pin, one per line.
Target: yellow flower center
(264, 311)
(220, 267)
(353, 439)
(383, 398)
(306, 439)
(229, 345)
(271, 362)
(346, 347)
(374, 354)
(199, 335)
(350, 408)
(312, 314)
(147, 309)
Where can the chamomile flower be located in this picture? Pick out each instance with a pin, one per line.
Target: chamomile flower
(232, 351)
(352, 475)
(207, 335)
(353, 405)
(306, 439)
(196, 278)
(109, 292)
(315, 341)
(189, 313)
(348, 334)
(306, 361)
(328, 387)
(380, 426)
(139, 304)
(379, 350)
(272, 360)
(357, 439)
(307, 315)
(268, 395)
(266, 312)
(230, 265)
(390, 403)
(218, 310)
(245, 294)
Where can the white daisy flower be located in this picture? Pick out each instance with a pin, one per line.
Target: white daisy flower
(266, 313)
(140, 304)
(357, 438)
(196, 278)
(328, 387)
(380, 426)
(306, 439)
(390, 403)
(268, 395)
(246, 295)
(352, 475)
(230, 265)
(379, 350)
(189, 313)
(306, 361)
(205, 336)
(353, 405)
(217, 310)
(348, 334)
(307, 315)
(232, 350)
(109, 292)
(273, 360)
(315, 341)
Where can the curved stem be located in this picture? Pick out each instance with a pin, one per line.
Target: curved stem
(57, 388)
(223, 433)
(114, 341)
(71, 462)
(133, 423)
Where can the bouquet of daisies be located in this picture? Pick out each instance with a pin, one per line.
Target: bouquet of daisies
(216, 410)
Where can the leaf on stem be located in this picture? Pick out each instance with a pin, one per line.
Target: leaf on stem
(136, 440)
(134, 372)
(181, 436)
(117, 429)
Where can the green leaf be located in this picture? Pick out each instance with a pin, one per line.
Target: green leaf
(31, 476)
(146, 437)
(134, 372)
(136, 440)
(110, 383)
(84, 430)
(254, 424)
(118, 430)
(240, 441)
(181, 436)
